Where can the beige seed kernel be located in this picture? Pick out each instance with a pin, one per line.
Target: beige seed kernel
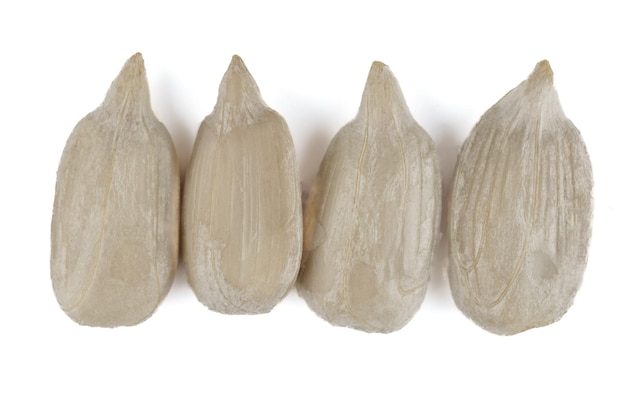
(116, 209)
(242, 210)
(372, 219)
(520, 211)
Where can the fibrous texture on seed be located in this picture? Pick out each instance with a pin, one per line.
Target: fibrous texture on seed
(242, 210)
(520, 211)
(372, 219)
(116, 209)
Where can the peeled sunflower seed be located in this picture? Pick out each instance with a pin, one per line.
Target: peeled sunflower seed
(115, 220)
(372, 219)
(520, 211)
(242, 213)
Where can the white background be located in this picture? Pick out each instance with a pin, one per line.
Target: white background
(453, 61)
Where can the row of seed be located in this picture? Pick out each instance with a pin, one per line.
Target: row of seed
(519, 216)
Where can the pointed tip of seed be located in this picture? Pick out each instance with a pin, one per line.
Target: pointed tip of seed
(136, 60)
(378, 67)
(237, 64)
(542, 74)
(237, 72)
(130, 82)
(238, 87)
(133, 69)
(379, 74)
(382, 89)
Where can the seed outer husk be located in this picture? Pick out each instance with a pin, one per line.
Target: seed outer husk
(372, 217)
(242, 210)
(114, 237)
(520, 211)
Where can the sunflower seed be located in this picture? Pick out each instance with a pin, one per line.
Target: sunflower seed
(520, 211)
(242, 213)
(372, 219)
(115, 220)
